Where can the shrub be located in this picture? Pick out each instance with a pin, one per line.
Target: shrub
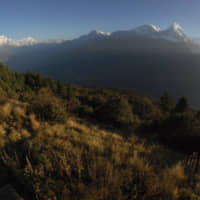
(182, 105)
(47, 107)
(116, 110)
(166, 102)
(49, 112)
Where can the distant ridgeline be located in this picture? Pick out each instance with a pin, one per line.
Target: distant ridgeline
(145, 58)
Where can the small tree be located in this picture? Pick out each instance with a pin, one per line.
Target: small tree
(61, 89)
(182, 105)
(166, 102)
(117, 110)
(47, 107)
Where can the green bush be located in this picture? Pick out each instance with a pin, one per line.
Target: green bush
(49, 112)
(166, 102)
(116, 110)
(47, 107)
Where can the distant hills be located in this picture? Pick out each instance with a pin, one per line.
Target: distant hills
(145, 58)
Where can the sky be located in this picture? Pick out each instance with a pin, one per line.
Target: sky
(67, 19)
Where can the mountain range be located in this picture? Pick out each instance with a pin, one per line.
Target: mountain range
(144, 58)
(174, 33)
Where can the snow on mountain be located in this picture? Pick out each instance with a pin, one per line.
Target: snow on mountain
(94, 35)
(175, 33)
(147, 29)
(26, 42)
(96, 32)
(5, 41)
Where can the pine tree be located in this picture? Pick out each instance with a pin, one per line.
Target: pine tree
(166, 102)
(182, 105)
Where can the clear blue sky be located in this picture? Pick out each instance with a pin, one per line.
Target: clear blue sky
(66, 19)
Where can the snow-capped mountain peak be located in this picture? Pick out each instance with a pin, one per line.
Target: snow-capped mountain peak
(26, 42)
(147, 28)
(176, 27)
(156, 28)
(5, 41)
(94, 35)
(96, 32)
(175, 33)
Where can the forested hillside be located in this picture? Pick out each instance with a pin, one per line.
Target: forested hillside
(63, 141)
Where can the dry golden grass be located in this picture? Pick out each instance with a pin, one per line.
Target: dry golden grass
(177, 172)
(2, 131)
(25, 134)
(34, 123)
(18, 111)
(14, 136)
(6, 109)
(74, 149)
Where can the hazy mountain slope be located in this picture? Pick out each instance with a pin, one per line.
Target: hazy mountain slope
(144, 58)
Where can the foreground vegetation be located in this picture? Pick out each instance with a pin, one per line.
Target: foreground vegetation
(60, 141)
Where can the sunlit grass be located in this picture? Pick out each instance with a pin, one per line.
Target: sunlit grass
(77, 160)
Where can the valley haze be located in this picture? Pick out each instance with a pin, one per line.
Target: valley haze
(145, 58)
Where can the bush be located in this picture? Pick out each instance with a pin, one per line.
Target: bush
(117, 111)
(85, 110)
(166, 102)
(47, 107)
(49, 112)
(182, 105)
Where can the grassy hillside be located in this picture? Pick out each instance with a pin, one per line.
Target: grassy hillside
(78, 160)
(61, 141)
